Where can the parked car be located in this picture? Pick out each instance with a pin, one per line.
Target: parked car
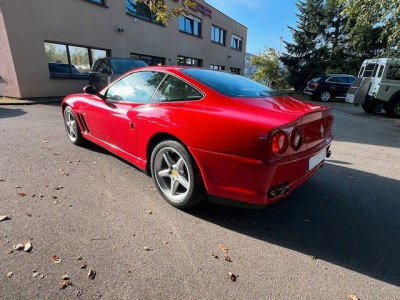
(62, 69)
(106, 70)
(326, 87)
(202, 132)
(377, 87)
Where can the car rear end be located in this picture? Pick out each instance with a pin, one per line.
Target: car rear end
(312, 87)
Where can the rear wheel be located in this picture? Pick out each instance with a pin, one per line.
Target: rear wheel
(325, 96)
(176, 175)
(393, 108)
(369, 107)
(72, 127)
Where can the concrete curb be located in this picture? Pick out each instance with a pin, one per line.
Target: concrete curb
(29, 102)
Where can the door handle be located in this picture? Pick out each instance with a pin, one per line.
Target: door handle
(132, 125)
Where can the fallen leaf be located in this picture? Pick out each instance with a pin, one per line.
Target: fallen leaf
(28, 214)
(165, 242)
(91, 274)
(83, 266)
(35, 273)
(56, 153)
(58, 188)
(232, 277)
(65, 277)
(19, 247)
(28, 246)
(78, 257)
(22, 194)
(10, 274)
(2, 179)
(214, 255)
(227, 258)
(79, 293)
(149, 212)
(4, 218)
(54, 197)
(11, 251)
(33, 195)
(353, 297)
(56, 259)
(147, 248)
(41, 276)
(17, 186)
(64, 284)
(223, 248)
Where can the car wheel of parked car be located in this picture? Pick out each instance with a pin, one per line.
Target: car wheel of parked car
(72, 127)
(325, 96)
(176, 175)
(393, 108)
(369, 107)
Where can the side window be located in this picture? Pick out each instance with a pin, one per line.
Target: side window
(95, 66)
(350, 80)
(393, 73)
(136, 87)
(342, 79)
(173, 89)
(380, 71)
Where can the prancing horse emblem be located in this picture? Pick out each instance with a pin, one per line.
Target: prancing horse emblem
(322, 130)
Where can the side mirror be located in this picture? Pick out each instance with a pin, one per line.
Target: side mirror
(91, 90)
(104, 71)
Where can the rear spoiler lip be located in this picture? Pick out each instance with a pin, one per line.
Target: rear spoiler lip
(312, 116)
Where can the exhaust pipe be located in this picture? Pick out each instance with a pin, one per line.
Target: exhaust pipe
(278, 191)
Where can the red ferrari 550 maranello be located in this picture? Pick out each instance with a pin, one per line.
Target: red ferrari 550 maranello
(202, 133)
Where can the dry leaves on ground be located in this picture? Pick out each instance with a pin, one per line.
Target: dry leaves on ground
(223, 248)
(22, 194)
(83, 266)
(28, 246)
(227, 258)
(91, 274)
(4, 218)
(64, 284)
(214, 255)
(353, 297)
(232, 277)
(10, 274)
(56, 259)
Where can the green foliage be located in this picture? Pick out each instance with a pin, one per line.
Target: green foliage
(386, 13)
(330, 39)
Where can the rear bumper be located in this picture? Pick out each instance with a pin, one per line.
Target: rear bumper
(249, 180)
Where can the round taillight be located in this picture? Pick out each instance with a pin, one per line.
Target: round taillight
(280, 142)
(296, 139)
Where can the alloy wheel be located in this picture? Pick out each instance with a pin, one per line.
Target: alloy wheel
(71, 125)
(172, 174)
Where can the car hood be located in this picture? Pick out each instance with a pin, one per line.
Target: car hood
(282, 109)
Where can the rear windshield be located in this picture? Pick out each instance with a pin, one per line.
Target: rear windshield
(121, 66)
(316, 79)
(230, 84)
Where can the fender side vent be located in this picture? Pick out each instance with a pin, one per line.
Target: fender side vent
(83, 122)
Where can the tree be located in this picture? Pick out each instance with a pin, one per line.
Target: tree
(164, 13)
(384, 14)
(268, 68)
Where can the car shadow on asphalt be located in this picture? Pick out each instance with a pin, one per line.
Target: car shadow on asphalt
(11, 112)
(343, 216)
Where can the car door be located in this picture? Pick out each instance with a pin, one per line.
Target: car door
(114, 120)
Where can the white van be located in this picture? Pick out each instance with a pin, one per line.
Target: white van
(377, 86)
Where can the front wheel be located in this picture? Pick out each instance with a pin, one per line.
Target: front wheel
(72, 127)
(176, 175)
(393, 108)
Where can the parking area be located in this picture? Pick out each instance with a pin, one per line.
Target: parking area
(335, 236)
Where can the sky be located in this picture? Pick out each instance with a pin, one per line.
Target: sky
(264, 20)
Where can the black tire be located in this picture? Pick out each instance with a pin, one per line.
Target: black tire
(325, 96)
(393, 108)
(369, 107)
(170, 178)
(72, 127)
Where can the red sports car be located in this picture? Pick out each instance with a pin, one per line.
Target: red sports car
(202, 133)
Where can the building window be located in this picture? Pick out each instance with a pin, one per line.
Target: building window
(235, 71)
(141, 11)
(66, 60)
(188, 61)
(236, 42)
(99, 2)
(150, 60)
(217, 67)
(218, 35)
(190, 25)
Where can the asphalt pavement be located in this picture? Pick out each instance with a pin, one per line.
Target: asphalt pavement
(335, 236)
